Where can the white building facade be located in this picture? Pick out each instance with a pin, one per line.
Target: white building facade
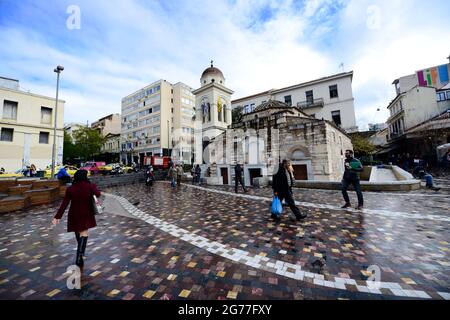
(329, 98)
(152, 119)
(27, 121)
(213, 109)
(410, 108)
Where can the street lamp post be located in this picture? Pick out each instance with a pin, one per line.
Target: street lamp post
(58, 70)
(168, 138)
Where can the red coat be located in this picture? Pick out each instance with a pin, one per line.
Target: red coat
(81, 213)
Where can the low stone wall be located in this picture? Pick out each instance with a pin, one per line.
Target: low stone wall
(366, 173)
(117, 180)
(373, 174)
(5, 184)
(401, 174)
(406, 185)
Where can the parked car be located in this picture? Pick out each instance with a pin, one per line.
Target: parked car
(70, 170)
(17, 174)
(92, 167)
(127, 169)
(112, 168)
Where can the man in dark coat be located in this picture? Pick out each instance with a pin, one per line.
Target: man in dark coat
(281, 186)
(238, 178)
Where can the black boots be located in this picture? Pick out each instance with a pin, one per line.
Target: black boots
(80, 251)
(83, 246)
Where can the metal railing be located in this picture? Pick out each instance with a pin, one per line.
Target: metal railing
(312, 103)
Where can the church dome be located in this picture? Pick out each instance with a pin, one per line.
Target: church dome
(212, 74)
(272, 104)
(212, 71)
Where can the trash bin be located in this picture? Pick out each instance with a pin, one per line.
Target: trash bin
(40, 174)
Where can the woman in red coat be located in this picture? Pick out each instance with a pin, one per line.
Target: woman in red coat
(81, 213)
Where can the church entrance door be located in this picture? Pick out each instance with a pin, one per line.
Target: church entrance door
(300, 172)
(224, 174)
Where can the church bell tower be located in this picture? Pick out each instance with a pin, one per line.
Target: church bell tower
(213, 108)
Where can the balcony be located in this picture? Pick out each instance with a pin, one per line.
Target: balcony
(394, 115)
(395, 135)
(313, 103)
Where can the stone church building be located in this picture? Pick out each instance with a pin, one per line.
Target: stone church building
(259, 140)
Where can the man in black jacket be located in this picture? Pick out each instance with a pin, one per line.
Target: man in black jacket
(238, 178)
(281, 186)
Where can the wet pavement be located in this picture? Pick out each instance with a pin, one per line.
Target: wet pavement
(208, 243)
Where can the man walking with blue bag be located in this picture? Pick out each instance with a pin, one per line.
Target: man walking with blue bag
(282, 182)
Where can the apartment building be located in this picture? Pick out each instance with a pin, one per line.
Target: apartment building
(410, 108)
(329, 98)
(108, 124)
(26, 124)
(110, 151)
(70, 128)
(152, 119)
(183, 124)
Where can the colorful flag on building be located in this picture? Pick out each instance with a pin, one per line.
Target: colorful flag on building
(205, 109)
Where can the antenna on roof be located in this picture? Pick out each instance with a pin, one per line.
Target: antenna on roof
(342, 66)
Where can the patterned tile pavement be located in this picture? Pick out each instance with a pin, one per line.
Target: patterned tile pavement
(196, 243)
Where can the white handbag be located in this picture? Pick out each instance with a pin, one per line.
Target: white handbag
(96, 205)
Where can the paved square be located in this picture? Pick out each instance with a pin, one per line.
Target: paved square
(208, 243)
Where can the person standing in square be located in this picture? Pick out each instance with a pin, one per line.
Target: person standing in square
(353, 168)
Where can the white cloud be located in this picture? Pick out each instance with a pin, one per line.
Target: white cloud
(123, 46)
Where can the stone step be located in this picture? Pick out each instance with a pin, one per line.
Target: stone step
(42, 196)
(18, 190)
(14, 203)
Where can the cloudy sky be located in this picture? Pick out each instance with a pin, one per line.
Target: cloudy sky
(122, 46)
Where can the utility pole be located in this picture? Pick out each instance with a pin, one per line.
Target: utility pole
(168, 138)
(58, 70)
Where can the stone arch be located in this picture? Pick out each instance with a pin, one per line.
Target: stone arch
(298, 152)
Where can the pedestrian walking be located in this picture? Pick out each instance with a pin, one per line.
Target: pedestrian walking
(180, 173)
(172, 175)
(353, 167)
(198, 173)
(81, 216)
(238, 178)
(282, 188)
(149, 176)
(193, 174)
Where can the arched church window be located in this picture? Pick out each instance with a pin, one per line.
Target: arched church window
(209, 111)
(298, 154)
(224, 113)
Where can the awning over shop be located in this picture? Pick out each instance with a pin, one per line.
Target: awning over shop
(442, 149)
(387, 149)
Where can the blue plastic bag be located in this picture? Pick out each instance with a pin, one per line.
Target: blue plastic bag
(277, 208)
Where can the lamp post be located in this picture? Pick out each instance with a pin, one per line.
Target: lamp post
(168, 138)
(58, 70)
